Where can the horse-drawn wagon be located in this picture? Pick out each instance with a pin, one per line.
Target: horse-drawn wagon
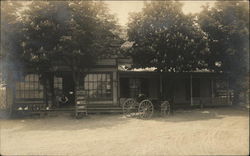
(144, 107)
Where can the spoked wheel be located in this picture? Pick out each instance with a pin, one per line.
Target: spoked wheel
(165, 108)
(129, 107)
(146, 109)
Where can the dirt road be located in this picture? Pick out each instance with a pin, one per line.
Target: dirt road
(220, 131)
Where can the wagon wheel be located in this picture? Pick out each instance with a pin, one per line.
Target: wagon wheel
(165, 108)
(128, 107)
(146, 109)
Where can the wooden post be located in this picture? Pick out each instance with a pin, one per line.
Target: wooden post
(191, 90)
(161, 83)
(118, 88)
(115, 95)
(212, 87)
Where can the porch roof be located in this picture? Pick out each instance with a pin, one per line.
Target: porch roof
(185, 74)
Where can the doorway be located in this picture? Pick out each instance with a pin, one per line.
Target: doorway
(68, 90)
(64, 89)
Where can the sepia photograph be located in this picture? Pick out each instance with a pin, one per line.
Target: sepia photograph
(124, 78)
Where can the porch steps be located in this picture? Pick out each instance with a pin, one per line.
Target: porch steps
(91, 109)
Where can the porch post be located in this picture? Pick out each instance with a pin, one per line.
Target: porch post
(161, 94)
(118, 88)
(115, 88)
(191, 90)
(212, 87)
(228, 94)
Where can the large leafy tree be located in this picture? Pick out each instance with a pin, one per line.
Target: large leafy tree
(165, 38)
(72, 32)
(227, 27)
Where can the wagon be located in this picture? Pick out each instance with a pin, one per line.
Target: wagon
(144, 107)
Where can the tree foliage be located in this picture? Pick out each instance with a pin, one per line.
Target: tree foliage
(74, 32)
(10, 34)
(166, 38)
(227, 27)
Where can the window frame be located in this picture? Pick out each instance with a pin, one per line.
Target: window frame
(30, 88)
(94, 86)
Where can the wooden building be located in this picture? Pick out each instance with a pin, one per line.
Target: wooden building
(106, 87)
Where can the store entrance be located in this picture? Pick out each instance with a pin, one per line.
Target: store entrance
(64, 89)
(68, 90)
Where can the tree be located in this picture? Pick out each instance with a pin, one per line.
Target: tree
(227, 27)
(10, 36)
(76, 32)
(165, 38)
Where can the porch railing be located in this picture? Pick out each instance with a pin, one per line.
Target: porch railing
(212, 101)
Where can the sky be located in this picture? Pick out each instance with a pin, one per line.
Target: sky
(122, 8)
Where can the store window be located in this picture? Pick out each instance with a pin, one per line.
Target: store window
(29, 87)
(98, 86)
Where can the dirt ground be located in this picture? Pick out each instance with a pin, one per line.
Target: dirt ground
(214, 131)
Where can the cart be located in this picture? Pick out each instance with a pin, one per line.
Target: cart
(144, 107)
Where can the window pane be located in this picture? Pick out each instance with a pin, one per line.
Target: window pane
(22, 94)
(26, 86)
(108, 85)
(108, 77)
(25, 94)
(99, 85)
(94, 85)
(36, 78)
(104, 85)
(99, 77)
(32, 77)
(91, 93)
(90, 77)
(31, 94)
(103, 77)
(91, 85)
(95, 77)
(27, 77)
(18, 94)
(86, 85)
(21, 85)
(31, 86)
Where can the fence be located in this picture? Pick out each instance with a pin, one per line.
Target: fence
(215, 101)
